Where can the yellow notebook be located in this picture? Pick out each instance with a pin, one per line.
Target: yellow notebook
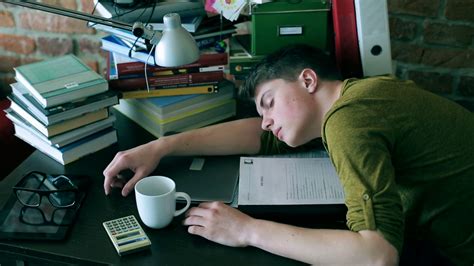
(169, 92)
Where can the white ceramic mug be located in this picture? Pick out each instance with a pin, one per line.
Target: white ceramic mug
(156, 201)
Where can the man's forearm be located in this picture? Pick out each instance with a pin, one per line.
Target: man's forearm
(322, 246)
(235, 137)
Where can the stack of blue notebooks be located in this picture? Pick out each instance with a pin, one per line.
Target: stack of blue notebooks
(171, 114)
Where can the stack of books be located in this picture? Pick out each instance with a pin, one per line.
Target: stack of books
(127, 76)
(168, 115)
(61, 107)
(165, 100)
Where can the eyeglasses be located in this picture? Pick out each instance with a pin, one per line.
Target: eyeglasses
(59, 190)
(36, 216)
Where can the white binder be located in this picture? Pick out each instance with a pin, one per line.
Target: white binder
(374, 36)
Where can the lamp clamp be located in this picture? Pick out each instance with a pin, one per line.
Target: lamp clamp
(146, 32)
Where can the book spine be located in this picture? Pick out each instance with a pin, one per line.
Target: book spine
(204, 60)
(169, 92)
(172, 72)
(213, 83)
(172, 80)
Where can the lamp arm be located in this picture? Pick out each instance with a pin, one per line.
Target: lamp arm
(72, 14)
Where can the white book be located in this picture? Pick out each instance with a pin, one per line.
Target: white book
(288, 181)
(73, 151)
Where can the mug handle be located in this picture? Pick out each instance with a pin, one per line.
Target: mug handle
(188, 202)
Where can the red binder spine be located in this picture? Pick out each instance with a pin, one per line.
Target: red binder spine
(346, 42)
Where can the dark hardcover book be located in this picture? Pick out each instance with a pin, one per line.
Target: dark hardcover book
(143, 10)
(64, 111)
(172, 72)
(215, 24)
(134, 72)
(125, 66)
(173, 80)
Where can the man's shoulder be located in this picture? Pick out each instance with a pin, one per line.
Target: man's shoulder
(383, 81)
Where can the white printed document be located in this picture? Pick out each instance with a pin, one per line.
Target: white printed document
(288, 181)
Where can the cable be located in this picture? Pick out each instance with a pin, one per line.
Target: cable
(146, 64)
(151, 50)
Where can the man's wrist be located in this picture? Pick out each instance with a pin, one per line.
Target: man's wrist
(251, 235)
(162, 147)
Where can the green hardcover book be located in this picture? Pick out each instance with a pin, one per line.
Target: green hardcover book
(60, 80)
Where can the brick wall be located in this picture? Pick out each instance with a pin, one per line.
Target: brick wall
(433, 44)
(28, 35)
(432, 41)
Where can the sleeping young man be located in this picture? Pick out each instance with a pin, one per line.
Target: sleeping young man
(405, 158)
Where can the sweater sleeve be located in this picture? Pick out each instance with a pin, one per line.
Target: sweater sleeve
(359, 144)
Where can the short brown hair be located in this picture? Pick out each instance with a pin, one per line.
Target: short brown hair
(287, 63)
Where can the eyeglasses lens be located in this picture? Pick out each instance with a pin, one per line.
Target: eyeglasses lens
(36, 181)
(62, 198)
(30, 198)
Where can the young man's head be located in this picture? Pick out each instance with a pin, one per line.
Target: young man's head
(288, 63)
(284, 87)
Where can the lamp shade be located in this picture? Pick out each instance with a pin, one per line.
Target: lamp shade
(177, 47)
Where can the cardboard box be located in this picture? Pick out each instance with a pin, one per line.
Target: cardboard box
(279, 23)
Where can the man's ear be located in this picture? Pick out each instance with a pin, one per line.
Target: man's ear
(309, 78)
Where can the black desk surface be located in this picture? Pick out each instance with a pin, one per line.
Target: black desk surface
(88, 242)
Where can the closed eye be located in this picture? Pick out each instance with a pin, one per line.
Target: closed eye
(268, 104)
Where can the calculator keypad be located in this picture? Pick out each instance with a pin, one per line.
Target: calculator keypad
(122, 225)
(126, 234)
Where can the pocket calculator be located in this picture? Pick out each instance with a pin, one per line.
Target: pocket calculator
(127, 235)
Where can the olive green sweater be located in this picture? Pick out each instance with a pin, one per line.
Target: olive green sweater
(405, 158)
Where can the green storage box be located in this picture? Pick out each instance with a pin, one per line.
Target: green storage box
(279, 23)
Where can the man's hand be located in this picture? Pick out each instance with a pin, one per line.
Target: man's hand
(219, 223)
(142, 160)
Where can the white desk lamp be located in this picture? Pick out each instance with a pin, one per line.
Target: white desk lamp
(174, 45)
